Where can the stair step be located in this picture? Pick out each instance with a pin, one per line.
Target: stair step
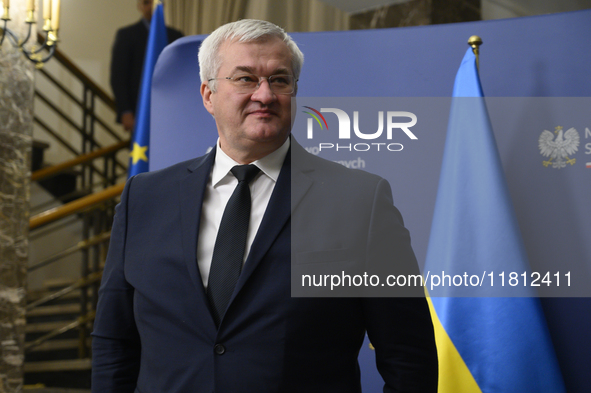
(40, 294)
(37, 154)
(58, 283)
(58, 365)
(71, 196)
(44, 327)
(56, 345)
(48, 356)
(61, 184)
(58, 309)
(40, 388)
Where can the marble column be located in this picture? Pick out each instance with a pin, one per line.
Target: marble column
(16, 125)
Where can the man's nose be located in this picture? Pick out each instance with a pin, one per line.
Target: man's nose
(263, 93)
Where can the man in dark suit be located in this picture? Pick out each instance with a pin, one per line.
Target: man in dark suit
(175, 317)
(127, 61)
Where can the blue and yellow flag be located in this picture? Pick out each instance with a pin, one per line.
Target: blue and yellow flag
(485, 343)
(157, 40)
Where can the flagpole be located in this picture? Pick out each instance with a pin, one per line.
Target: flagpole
(475, 42)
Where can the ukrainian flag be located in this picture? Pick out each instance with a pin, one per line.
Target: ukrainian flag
(488, 343)
(157, 40)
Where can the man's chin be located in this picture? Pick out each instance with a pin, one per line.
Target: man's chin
(267, 135)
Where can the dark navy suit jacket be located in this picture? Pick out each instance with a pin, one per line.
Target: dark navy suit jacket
(154, 331)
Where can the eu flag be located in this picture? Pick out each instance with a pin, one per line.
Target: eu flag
(157, 40)
(486, 343)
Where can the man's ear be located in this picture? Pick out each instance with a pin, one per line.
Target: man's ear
(206, 95)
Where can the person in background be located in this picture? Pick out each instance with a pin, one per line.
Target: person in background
(127, 61)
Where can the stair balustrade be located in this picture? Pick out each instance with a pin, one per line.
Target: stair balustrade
(84, 192)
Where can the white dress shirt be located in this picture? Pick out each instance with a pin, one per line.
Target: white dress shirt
(218, 191)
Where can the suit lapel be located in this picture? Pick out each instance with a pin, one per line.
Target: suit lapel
(291, 187)
(192, 189)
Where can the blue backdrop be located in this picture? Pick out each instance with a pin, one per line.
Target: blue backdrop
(543, 56)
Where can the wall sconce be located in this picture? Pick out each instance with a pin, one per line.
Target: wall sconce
(51, 17)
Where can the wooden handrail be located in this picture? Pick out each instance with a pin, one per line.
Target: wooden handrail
(75, 206)
(81, 159)
(62, 58)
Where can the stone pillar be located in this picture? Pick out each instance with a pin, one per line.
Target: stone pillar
(16, 126)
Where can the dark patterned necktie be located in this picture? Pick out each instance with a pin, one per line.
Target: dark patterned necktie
(230, 243)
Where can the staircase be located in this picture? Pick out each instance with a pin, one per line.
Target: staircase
(62, 186)
(79, 195)
(57, 361)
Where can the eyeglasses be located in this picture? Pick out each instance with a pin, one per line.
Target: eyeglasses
(249, 83)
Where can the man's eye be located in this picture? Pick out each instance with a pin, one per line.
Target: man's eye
(279, 80)
(246, 79)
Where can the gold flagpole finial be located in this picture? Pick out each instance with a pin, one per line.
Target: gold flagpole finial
(156, 2)
(475, 42)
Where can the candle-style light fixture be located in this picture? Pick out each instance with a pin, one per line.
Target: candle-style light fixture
(51, 19)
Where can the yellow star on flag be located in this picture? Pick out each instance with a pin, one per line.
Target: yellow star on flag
(138, 153)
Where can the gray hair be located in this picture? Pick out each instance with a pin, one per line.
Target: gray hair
(245, 30)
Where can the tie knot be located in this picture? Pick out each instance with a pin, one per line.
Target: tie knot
(245, 172)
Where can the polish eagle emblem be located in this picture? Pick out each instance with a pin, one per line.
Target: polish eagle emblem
(559, 147)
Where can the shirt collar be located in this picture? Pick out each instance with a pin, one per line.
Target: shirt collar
(270, 165)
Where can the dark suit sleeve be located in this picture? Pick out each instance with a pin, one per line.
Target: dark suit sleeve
(122, 72)
(116, 346)
(400, 328)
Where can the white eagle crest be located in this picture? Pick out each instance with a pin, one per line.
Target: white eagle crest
(559, 148)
